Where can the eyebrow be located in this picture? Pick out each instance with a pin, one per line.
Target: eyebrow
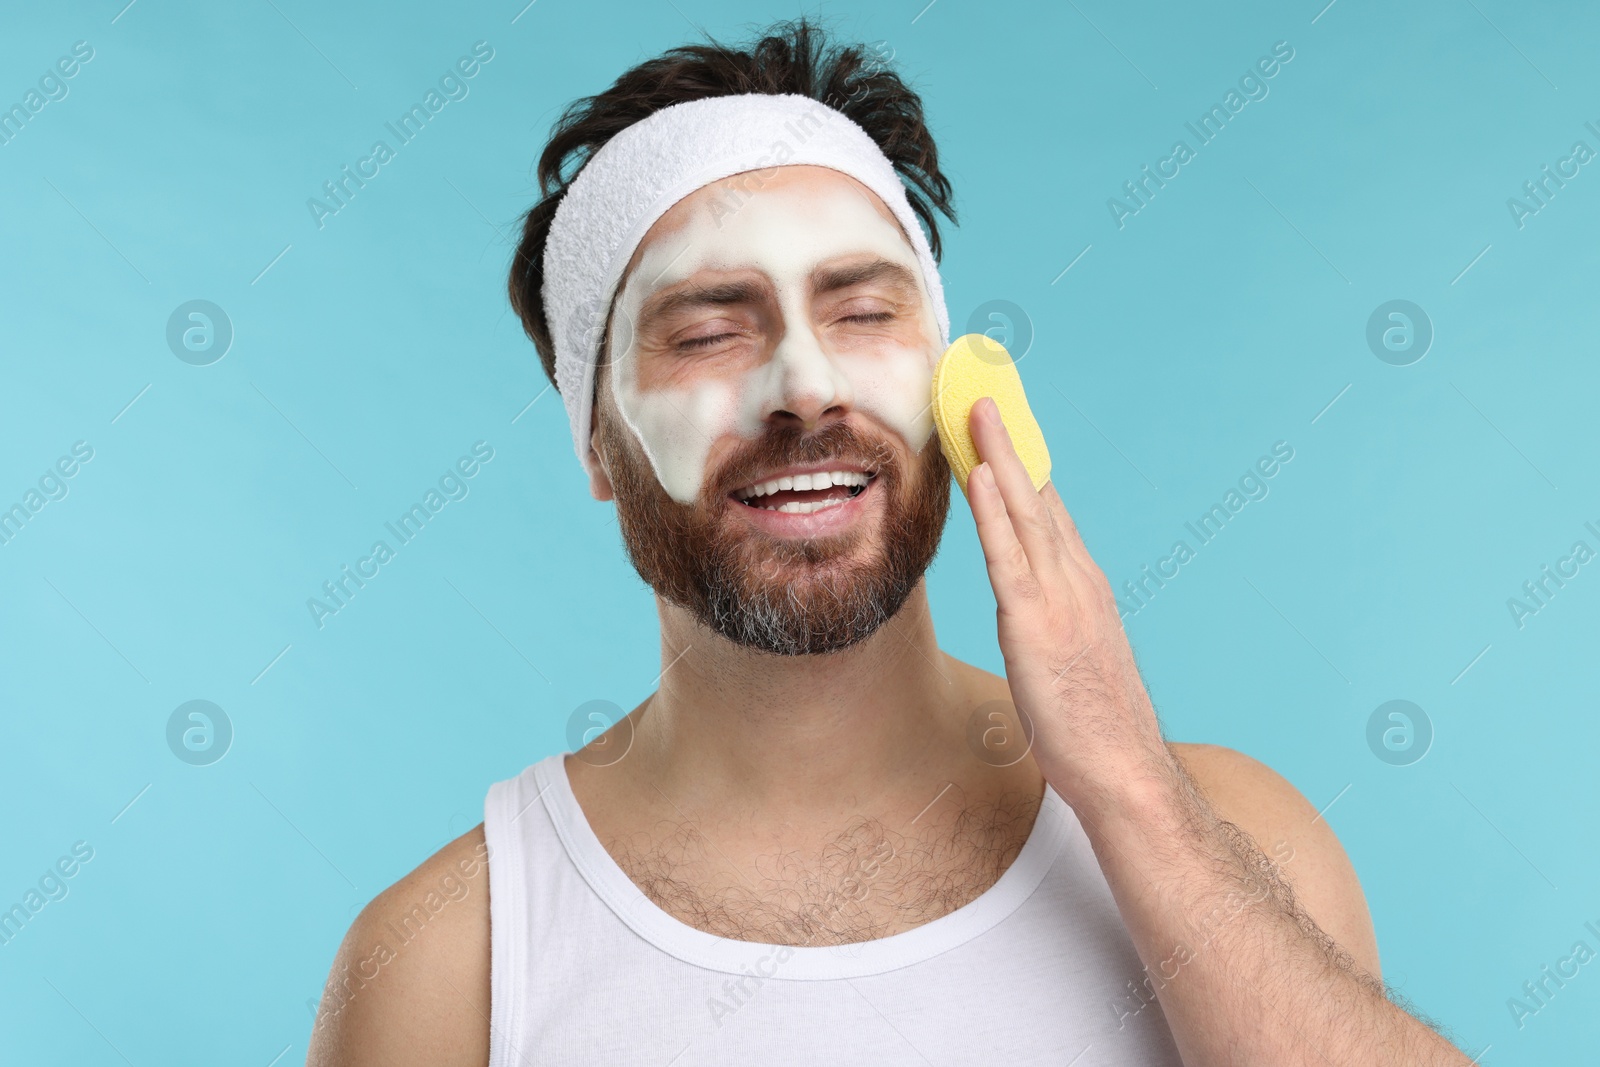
(831, 279)
(703, 296)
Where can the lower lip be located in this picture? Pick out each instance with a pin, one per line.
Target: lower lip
(818, 523)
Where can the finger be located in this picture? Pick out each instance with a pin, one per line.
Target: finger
(1003, 554)
(1083, 572)
(1071, 539)
(1035, 529)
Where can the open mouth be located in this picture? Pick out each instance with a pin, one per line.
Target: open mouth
(802, 494)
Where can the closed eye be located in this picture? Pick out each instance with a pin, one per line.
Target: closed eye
(703, 342)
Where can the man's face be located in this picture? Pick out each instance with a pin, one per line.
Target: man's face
(775, 326)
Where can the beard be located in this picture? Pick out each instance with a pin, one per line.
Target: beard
(782, 596)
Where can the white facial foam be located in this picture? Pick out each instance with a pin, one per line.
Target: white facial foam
(783, 230)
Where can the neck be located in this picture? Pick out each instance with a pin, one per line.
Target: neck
(800, 737)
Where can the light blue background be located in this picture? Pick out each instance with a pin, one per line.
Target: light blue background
(371, 353)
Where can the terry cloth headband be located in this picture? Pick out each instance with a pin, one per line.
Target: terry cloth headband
(649, 166)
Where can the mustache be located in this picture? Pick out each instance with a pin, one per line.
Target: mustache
(784, 446)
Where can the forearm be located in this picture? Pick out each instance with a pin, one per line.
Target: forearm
(1258, 983)
(1243, 974)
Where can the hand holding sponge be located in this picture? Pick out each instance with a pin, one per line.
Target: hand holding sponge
(975, 365)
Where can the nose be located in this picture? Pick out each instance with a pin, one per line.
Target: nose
(803, 382)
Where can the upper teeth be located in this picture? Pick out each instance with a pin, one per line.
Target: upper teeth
(819, 480)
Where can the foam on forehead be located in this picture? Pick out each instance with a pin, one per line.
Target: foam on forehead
(777, 226)
(649, 166)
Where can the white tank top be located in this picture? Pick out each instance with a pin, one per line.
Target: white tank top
(586, 969)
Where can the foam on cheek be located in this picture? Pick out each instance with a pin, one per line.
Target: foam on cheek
(783, 233)
(674, 424)
(676, 427)
(897, 391)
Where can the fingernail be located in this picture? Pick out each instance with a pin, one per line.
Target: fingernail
(995, 416)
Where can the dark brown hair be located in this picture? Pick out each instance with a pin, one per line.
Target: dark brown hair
(791, 57)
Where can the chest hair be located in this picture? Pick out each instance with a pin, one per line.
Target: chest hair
(868, 881)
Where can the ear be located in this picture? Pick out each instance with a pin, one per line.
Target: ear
(599, 480)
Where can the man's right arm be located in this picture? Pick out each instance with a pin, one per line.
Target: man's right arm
(410, 983)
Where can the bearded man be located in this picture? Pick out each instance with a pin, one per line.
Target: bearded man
(822, 839)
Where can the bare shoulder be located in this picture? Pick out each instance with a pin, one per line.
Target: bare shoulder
(410, 983)
(1287, 828)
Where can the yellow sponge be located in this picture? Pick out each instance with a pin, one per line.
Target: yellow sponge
(975, 366)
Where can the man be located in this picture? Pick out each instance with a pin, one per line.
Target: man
(822, 839)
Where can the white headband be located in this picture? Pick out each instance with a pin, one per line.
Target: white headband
(649, 166)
